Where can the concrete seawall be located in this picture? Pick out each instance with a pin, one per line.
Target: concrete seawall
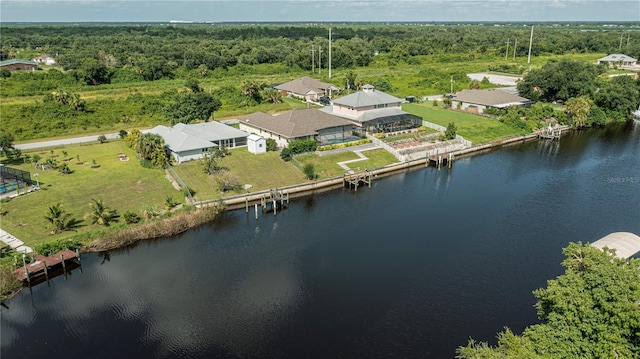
(300, 190)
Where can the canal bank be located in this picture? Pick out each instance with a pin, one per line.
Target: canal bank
(301, 190)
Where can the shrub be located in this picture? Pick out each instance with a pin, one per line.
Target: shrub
(56, 246)
(309, 171)
(146, 163)
(285, 154)
(271, 144)
(227, 181)
(130, 217)
(301, 146)
(450, 133)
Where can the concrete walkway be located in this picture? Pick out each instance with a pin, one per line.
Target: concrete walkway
(358, 152)
(14, 242)
(365, 147)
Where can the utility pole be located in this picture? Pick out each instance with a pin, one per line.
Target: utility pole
(621, 37)
(507, 51)
(530, 42)
(313, 59)
(514, 49)
(319, 59)
(329, 52)
(451, 85)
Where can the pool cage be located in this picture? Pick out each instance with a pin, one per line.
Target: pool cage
(10, 177)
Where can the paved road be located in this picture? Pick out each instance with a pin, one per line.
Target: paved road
(495, 79)
(66, 141)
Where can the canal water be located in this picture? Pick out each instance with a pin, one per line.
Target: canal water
(411, 268)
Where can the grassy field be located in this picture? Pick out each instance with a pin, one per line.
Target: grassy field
(260, 171)
(376, 158)
(123, 185)
(476, 129)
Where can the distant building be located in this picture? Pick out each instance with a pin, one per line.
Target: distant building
(476, 101)
(299, 124)
(373, 111)
(19, 65)
(45, 59)
(618, 60)
(307, 88)
(191, 142)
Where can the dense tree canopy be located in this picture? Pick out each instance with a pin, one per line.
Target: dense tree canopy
(560, 80)
(591, 311)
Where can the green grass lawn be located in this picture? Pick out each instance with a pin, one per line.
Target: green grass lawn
(260, 171)
(476, 129)
(376, 158)
(123, 185)
(326, 166)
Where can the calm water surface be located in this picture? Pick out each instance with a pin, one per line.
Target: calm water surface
(410, 268)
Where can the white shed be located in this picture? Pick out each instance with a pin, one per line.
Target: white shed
(256, 144)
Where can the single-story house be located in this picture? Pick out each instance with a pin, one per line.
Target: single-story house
(191, 142)
(45, 59)
(256, 144)
(306, 87)
(476, 101)
(618, 60)
(299, 124)
(373, 111)
(19, 65)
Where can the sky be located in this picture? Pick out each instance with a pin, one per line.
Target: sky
(318, 11)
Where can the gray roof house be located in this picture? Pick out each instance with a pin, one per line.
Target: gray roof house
(619, 60)
(19, 65)
(373, 111)
(308, 88)
(190, 142)
(298, 124)
(476, 101)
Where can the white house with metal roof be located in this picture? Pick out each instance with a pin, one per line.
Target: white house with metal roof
(476, 101)
(191, 142)
(618, 60)
(373, 111)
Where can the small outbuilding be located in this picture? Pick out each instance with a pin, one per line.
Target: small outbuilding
(256, 144)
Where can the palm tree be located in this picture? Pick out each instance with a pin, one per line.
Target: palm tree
(60, 220)
(101, 214)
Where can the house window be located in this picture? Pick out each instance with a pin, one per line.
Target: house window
(380, 105)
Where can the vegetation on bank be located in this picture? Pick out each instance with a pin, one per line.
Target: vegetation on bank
(590, 311)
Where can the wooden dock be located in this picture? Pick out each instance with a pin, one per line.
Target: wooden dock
(273, 200)
(550, 133)
(439, 160)
(356, 179)
(39, 269)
